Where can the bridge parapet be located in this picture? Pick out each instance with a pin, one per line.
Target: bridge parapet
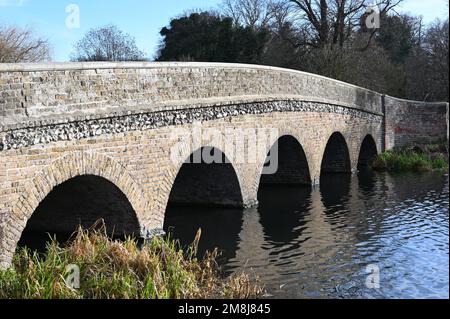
(414, 122)
(36, 94)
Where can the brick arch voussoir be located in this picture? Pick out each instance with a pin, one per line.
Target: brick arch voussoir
(284, 131)
(170, 174)
(361, 138)
(56, 173)
(348, 142)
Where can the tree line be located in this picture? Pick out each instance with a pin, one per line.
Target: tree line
(349, 40)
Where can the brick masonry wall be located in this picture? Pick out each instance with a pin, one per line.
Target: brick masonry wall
(414, 122)
(139, 164)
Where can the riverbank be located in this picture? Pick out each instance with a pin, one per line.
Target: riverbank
(418, 158)
(120, 270)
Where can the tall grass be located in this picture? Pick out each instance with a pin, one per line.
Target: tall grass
(120, 270)
(407, 160)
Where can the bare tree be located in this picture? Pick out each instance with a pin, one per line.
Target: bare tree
(403, 57)
(280, 15)
(331, 22)
(437, 48)
(20, 45)
(427, 67)
(252, 13)
(107, 44)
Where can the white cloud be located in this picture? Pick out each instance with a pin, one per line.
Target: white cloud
(12, 3)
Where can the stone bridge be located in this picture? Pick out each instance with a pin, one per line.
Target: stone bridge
(83, 141)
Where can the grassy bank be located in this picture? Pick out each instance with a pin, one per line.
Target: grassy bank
(120, 270)
(416, 159)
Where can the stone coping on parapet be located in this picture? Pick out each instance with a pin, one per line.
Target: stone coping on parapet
(68, 66)
(191, 104)
(424, 103)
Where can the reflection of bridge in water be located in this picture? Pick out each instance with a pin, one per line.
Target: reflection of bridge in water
(301, 241)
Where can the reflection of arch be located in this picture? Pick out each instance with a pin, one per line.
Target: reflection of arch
(206, 194)
(205, 181)
(276, 193)
(287, 163)
(334, 190)
(367, 153)
(282, 212)
(336, 158)
(61, 170)
(220, 227)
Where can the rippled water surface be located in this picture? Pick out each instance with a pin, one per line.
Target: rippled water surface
(305, 243)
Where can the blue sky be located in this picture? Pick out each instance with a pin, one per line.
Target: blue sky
(141, 18)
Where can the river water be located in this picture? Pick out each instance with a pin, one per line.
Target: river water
(367, 236)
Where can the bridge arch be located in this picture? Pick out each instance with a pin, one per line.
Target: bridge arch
(206, 178)
(367, 152)
(336, 158)
(286, 163)
(206, 194)
(66, 169)
(80, 201)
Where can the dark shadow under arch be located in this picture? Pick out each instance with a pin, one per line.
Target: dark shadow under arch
(367, 153)
(80, 201)
(206, 196)
(283, 210)
(282, 193)
(291, 165)
(201, 183)
(336, 158)
(334, 191)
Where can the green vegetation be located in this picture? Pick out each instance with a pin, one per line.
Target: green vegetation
(209, 37)
(120, 270)
(417, 159)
